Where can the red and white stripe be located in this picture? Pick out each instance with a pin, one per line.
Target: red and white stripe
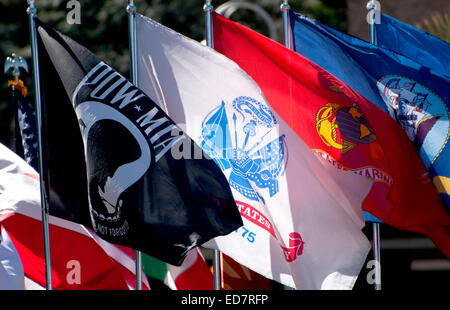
(75, 250)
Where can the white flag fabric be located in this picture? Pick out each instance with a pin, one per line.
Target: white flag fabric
(302, 217)
(11, 270)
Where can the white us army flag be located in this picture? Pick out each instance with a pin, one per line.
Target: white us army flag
(302, 217)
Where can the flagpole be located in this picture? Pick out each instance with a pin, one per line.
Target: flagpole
(131, 9)
(208, 8)
(285, 7)
(32, 14)
(372, 7)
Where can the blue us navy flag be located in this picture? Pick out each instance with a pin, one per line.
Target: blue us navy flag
(416, 96)
(112, 157)
(414, 43)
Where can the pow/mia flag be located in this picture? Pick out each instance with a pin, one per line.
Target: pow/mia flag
(131, 186)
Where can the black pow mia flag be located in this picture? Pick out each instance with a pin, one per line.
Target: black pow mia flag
(111, 160)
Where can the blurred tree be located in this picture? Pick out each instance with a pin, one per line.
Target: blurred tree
(104, 29)
(437, 25)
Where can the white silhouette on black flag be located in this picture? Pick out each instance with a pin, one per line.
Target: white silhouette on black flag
(127, 187)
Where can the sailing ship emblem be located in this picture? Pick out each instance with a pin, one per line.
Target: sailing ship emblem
(421, 113)
(239, 137)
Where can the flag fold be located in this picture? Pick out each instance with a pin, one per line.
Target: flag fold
(413, 43)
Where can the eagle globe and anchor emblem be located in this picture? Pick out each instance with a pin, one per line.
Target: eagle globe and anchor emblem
(342, 127)
(235, 137)
(421, 113)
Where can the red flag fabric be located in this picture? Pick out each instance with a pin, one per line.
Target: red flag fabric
(235, 276)
(79, 258)
(193, 274)
(343, 127)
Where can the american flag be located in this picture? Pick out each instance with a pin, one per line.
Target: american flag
(27, 123)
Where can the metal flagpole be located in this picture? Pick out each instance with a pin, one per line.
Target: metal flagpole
(285, 7)
(208, 8)
(373, 10)
(376, 254)
(32, 13)
(131, 9)
(216, 270)
(372, 7)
